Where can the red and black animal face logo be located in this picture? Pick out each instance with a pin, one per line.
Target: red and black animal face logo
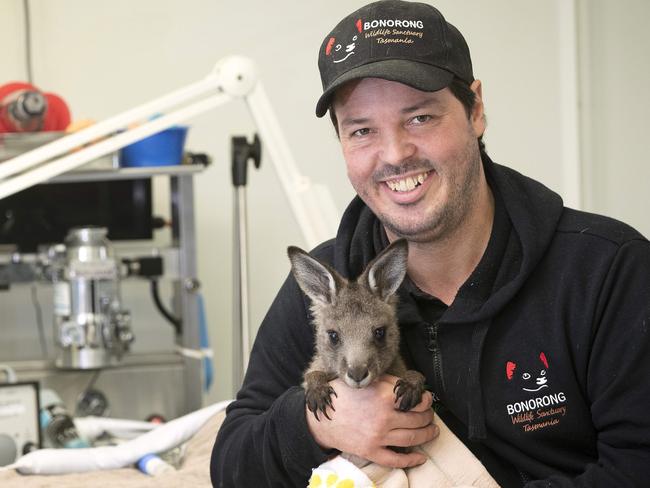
(529, 376)
(341, 52)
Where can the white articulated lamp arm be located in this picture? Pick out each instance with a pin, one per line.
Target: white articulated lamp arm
(233, 77)
(312, 204)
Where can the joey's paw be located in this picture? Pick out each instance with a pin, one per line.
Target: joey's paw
(407, 395)
(409, 390)
(320, 399)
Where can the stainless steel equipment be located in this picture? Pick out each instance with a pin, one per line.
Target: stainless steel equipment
(92, 329)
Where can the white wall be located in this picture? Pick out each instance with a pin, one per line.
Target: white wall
(616, 104)
(104, 57)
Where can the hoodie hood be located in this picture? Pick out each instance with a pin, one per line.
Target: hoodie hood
(533, 209)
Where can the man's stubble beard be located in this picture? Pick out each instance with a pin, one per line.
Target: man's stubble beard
(446, 220)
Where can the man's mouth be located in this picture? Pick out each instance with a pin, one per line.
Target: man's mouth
(407, 184)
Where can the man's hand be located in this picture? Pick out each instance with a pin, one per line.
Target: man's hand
(366, 421)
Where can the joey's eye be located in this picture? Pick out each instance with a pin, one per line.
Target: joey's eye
(334, 337)
(380, 333)
(526, 376)
(542, 372)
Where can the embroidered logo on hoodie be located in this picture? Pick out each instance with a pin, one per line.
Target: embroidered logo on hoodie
(541, 406)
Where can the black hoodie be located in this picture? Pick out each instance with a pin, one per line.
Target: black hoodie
(541, 365)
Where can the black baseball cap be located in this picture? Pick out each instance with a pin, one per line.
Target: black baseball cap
(407, 42)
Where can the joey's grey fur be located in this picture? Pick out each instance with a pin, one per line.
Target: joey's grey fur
(357, 334)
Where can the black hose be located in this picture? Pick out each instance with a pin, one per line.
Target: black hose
(39, 320)
(176, 322)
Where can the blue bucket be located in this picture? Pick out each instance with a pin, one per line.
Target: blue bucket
(162, 149)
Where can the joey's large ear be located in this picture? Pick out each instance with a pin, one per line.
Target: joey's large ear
(317, 280)
(386, 272)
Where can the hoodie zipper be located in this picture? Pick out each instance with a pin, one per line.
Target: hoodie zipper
(433, 347)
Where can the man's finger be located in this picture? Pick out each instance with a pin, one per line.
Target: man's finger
(412, 420)
(388, 378)
(412, 437)
(388, 457)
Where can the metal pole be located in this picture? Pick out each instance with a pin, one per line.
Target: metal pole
(241, 329)
(242, 151)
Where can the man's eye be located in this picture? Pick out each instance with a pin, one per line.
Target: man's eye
(361, 132)
(420, 119)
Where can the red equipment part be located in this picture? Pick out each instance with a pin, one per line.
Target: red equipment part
(53, 116)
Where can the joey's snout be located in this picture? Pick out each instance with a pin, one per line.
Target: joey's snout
(358, 376)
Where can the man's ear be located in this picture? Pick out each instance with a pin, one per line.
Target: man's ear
(477, 118)
(316, 280)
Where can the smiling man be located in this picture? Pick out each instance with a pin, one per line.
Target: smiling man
(414, 159)
(528, 319)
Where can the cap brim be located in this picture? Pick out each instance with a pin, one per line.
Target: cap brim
(417, 75)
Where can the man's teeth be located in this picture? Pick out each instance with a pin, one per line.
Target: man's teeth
(407, 184)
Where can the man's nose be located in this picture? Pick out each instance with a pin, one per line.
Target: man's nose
(396, 147)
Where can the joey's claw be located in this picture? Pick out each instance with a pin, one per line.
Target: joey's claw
(329, 404)
(318, 399)
(408, 394)
(313, 408)
(331, 392)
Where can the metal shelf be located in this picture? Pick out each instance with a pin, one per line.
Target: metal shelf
(127, 173)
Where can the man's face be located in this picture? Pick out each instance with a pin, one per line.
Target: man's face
(412, 156)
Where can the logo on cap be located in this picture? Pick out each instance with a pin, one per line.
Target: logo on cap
(383, 31)
(349, 48)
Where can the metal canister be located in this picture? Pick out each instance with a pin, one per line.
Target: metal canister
(92, 327)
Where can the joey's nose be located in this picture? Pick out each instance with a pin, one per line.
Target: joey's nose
(358, 373)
